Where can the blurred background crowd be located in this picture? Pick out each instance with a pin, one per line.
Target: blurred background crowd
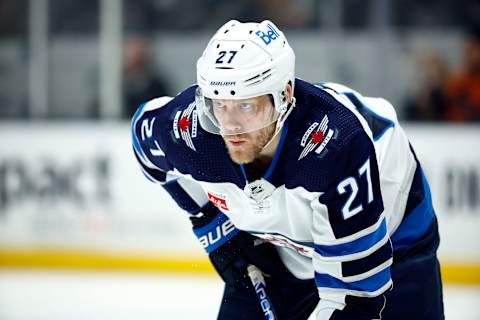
(99, 59)
(72, 72)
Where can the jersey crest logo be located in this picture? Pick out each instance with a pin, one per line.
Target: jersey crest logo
(185, 125)
(316, 138)
(218, 200)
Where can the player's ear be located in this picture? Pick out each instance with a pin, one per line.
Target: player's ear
(287, 94)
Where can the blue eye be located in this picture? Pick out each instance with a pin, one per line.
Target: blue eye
(246, 106)
(217, 105)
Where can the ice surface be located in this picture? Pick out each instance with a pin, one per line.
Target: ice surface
(55, 295)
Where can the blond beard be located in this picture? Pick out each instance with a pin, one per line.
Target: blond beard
(255, 142)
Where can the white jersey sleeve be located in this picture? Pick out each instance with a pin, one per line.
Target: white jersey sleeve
(352, 249)
(150, 154)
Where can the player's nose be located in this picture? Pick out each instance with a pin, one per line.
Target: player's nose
(230, 124)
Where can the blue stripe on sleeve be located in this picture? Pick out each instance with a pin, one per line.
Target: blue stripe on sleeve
(136, 142)
(359, 266)
(356, 246)
(370, 284)
(151, 174)
(378, 124)
(416, 224)
(148, 176)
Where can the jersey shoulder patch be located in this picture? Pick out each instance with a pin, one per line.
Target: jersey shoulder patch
(322, 130)
(316, 137)
(185, 125)
(151, 124)
(322, 123)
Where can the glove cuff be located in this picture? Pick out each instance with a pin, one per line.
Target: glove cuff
(214, 234)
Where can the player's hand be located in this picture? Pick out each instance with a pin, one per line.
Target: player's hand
(231, 250)
(233, 257)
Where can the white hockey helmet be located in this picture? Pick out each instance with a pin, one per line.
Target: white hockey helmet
(244, 61)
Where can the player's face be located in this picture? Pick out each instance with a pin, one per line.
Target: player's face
(235, 115)
(240, 116)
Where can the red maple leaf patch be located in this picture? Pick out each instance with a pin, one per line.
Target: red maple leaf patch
(317, 137)
(184, 123)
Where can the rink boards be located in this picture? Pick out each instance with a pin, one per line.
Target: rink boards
(72, 196)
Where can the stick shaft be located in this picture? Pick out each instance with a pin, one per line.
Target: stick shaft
(256, 277)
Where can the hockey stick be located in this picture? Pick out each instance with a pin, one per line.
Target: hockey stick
(256, 277)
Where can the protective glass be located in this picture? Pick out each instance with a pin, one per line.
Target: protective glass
(232, 117)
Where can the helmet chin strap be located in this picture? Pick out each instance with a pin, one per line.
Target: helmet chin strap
(280, 121)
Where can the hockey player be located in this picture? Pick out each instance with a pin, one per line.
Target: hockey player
(316, 185)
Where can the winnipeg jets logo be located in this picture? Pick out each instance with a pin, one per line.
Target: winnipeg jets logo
(316, 137)
(185, 125)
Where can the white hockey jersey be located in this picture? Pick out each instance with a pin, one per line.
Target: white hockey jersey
(343, 193)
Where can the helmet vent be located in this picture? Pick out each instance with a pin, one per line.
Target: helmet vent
(223, 68)
(258, 78)
(226, 31)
